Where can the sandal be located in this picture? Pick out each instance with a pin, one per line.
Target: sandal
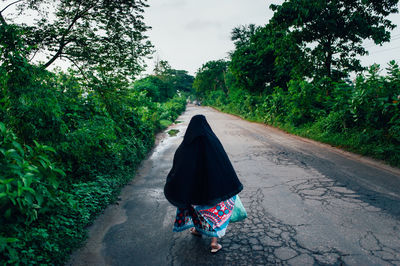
(215, 248)
(194, 232)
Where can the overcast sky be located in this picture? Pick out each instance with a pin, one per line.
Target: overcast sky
(188, 33)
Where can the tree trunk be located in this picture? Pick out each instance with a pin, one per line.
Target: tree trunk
(328, 63)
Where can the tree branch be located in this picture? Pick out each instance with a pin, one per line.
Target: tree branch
(3, 21)
(78, 67)
(33, 56)
(10, 5)
(77, 16)
(58, 53)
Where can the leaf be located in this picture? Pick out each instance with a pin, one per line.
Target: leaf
(11, 152)
(27, 179)
(2, 128)
(29, 199)
(11, 240)
(7, 213)
(6, 181)
(19, 188)
(29, 190)
(48, 148)
(39, 199)
(61, 172)
(18, 147)
(44, 161)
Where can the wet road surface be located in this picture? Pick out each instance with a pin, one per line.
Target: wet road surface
(308, 204)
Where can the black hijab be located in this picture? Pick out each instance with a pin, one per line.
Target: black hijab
(201, 173)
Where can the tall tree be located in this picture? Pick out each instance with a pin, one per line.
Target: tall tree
(211, 76)
(165, 82)
(181, 80)
(335, 29)
(250, 64)
(103, 35)
(264, 57)
(176, 80)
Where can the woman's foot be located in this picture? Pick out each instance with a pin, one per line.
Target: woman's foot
(193, 231)
(215, 247)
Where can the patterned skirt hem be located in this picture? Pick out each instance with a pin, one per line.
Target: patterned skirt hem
(219, 233)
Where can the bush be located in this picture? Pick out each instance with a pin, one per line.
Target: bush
(333, 123)
(363, 117)
(92, 148)
(29, 180)
(30, 192)
(48, 196)
(303, 102)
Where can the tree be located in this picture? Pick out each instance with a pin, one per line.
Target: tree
(250, 64)
(162, 68)
(211, 76)
(181, 81)
(154, 87)
(106, 36)
(335, 29)
(264, 57)
(178, 80)
(165, 82)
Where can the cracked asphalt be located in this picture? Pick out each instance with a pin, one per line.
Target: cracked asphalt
(308, 204)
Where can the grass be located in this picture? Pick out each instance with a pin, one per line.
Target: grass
(173, 132)
(165, 123)
(351, 140)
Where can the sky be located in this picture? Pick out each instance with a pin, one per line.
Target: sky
(188, 33)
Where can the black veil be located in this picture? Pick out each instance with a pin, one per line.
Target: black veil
(202, 173)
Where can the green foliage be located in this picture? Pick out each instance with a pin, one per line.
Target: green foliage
(303, 102)
(362, 117)
(99, 134)
(293, 72)
(153, 86)
(211, 76)
(31, 191)
(99, 129)
(181, 81)
(335, 122)
(373, 102)
(90, 147)
(336, 29)
(29, 181)
(165, 84)
(70, 141)
(251, 65)
(101, 37)
(264, 57)
(171, 109)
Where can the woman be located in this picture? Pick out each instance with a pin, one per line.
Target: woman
(202, 183)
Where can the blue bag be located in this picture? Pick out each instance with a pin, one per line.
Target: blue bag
(239, 212)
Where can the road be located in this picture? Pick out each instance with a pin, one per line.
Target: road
(308, 203)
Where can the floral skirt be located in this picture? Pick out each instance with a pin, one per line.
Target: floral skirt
(208, 220)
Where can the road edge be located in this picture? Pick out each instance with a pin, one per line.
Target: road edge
(357, 157)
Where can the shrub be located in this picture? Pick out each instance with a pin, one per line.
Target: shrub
(29, 180)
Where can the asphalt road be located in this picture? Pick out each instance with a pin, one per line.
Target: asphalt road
(308, 203)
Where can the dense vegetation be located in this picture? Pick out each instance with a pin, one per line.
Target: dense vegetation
(294, 73)
(70, 140)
